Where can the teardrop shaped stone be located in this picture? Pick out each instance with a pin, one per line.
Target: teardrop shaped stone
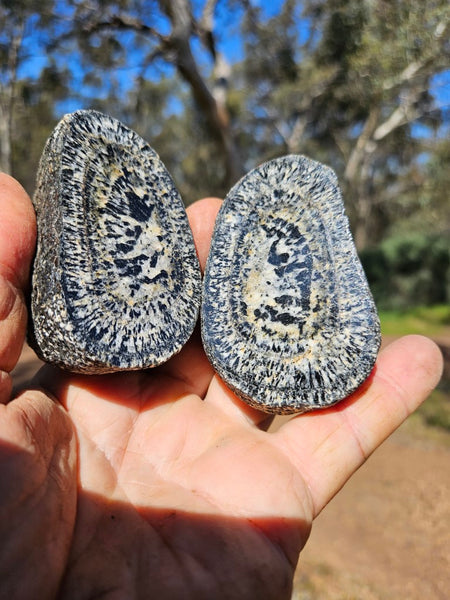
(288, 320)
(116, 283)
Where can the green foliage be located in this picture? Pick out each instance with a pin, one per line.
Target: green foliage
(363, 78)
(424, 320)
(344, 26)
(34, 119)
(278, 37)
(409, 270)
(435, 411)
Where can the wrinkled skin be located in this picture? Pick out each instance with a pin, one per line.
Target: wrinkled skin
(162, 484)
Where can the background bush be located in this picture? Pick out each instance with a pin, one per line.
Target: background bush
(409, 270)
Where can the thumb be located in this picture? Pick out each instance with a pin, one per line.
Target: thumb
(17, 242)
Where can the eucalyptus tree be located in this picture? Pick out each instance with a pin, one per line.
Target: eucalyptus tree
(348, 81)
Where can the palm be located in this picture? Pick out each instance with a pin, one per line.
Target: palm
(162, 483)
(164, 473)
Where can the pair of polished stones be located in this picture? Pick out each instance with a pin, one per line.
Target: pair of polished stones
(287, 318)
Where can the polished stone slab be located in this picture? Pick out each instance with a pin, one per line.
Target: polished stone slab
(116, 283)
(288, 320)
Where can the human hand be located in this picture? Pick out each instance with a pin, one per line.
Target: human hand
(162, 483)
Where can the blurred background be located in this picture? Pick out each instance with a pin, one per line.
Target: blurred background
(217, 87)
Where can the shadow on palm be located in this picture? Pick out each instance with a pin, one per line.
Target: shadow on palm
(194, 497)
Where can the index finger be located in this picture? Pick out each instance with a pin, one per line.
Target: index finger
(202, 217)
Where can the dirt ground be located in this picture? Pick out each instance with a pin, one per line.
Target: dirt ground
(386, 535)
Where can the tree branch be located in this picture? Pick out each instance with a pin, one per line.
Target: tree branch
(176, 48)
(403, 114)
(415, 67)
(362, 144)
(216, 114)
(206, 26)
(122, 22)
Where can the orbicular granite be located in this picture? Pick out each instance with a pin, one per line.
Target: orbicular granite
(116, 282)
(288, 320)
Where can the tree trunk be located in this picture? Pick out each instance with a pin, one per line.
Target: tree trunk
(5, 141)
(362, 229)
(214, 110)
(7, 100)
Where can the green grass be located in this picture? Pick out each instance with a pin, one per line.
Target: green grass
(426, 320)
(431, 321)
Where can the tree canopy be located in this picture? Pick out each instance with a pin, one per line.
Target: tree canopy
(218, 86)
